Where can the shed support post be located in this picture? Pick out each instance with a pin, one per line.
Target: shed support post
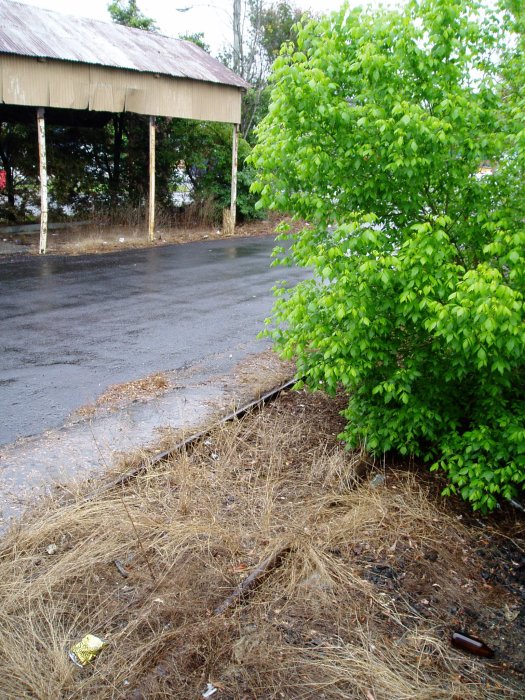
(151, 214)
(235, 151)
(41, 129)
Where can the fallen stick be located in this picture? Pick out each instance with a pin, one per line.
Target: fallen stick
(254, 579)
(121, 568)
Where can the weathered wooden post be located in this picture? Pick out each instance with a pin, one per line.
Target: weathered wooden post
(41, 129)
(151, 215)
(235, 151)
(229, 217)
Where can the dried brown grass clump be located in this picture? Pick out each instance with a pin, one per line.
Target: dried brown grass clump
(258, 371)
(203, 212)
(319, 622)
(97, 237)
(128, 230)
(119, 395)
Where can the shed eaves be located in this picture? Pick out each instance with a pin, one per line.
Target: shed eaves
(34, 32)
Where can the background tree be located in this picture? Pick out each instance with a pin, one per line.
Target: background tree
(130, 15)
(198, 39)
(18, 155)
(75, 154)
(259, 29)
(78, 161)
(278, 22)
(377, 129)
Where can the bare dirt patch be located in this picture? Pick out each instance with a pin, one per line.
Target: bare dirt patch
(371, 572)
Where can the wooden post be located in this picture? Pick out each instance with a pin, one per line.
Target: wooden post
(41, 129)
(235, 150)
(151, 216)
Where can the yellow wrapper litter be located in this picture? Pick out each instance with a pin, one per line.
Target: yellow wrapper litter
(86, 650)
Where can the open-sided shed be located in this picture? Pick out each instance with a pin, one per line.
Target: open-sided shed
(50, 60)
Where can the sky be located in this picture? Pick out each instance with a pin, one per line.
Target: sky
(213, 17)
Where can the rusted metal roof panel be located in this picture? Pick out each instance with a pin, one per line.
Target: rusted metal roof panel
(37, 33)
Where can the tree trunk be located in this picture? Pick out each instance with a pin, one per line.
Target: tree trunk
(237, 38)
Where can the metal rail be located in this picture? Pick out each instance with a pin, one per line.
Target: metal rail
(192, 439)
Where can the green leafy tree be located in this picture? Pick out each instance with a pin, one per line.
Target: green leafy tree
(278, 22)
(130, 15)
(79, 160)
(198, 39)
(377, 128)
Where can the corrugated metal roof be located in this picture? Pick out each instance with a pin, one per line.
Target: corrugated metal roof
(31, 31)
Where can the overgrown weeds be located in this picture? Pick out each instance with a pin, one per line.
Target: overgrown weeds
(358, 604)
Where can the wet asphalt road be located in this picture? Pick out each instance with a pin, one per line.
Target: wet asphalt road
(71, 327)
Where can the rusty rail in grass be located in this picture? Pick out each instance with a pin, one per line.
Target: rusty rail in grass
(255, 405)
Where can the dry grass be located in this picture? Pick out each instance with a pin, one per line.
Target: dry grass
(118, 395)
(108, 236)
(96, 239)
(318, 625)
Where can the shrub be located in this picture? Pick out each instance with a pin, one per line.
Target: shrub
(379, 126)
